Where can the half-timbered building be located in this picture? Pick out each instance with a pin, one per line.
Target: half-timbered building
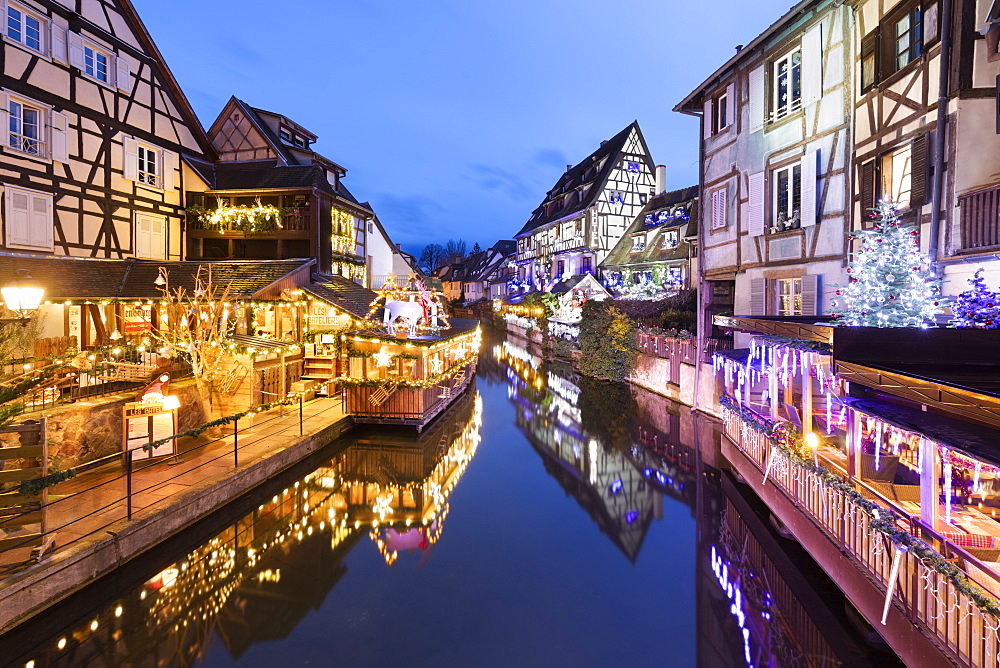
(927, 130)
(775, 155)
(585, 214)
(271, 196)
(96, 126)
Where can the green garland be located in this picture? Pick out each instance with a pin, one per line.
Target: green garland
(881, 519)
(352, 351)
(403, 383)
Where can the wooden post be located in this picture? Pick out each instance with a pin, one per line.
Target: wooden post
(930, 484)
(807, 393)
(236, 443)
(853, 443)
(128, 483)
(772, 391)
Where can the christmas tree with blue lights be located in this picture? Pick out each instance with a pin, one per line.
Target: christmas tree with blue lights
(978, 306)
(890, 282)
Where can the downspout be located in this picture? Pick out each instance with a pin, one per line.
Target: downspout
(700, 284)
(937, 185)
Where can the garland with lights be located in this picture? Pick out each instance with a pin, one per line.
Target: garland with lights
(421, 384)
(789, 443)
(240, 218)
(890, 284)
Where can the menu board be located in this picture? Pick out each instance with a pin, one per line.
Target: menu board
(144, 423)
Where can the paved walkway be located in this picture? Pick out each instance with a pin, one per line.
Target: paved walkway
(92, 501)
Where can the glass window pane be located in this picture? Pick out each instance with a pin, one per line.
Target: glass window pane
(32, 32)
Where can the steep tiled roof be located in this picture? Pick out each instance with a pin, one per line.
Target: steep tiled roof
(656, 217)
(270, 176)
(342, 293)
(83, 278)
(580, 177)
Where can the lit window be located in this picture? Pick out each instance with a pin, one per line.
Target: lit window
(789, 296)
(787, 197)
(147, 166)
(896, 176)
(908, 36)
(95, 63)
(639, 242)
(786, 84)
(26, 128)
(24, 28)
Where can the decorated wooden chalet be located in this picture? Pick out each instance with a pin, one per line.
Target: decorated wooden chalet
(271, 196)
(95, 129)
(775, 157)
(654, 256)
(918, 82)
(587, 211)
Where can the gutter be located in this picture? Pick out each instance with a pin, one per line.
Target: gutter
(937, 185)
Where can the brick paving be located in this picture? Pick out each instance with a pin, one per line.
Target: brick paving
(92, 501)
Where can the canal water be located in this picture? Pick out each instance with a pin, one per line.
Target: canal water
(545, 519)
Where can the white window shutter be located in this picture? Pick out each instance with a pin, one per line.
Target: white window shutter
(130, 167)
(758, 296)
(756, 208)
(17, 218)
(812, 65)
(810, 167)
(158, 239)
(811, 295)
(142, 236)
(168, 168)
(59, 137)
(57, 43)
(123, 75)
(757, 99)
(719, 208)
(731, 104)
(75, 41)
(40, 228)
(4, 111)
(707, 118)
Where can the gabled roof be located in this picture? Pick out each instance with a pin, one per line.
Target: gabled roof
(581, 281)
(654, 218)
(341, 292)
(265, 131)
(93, 279)
(585, 176)
(268, 175)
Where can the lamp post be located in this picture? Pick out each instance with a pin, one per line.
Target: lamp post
(22, 296)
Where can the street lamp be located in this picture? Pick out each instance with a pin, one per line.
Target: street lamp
(22, 296)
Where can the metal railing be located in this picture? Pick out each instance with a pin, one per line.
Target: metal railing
(26, 144)
(926, 597)
(89, 511)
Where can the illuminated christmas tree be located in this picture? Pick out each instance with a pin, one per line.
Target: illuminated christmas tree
(978, 306)
(890, 281)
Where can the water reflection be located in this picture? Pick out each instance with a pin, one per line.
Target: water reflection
(699, 556)
(262, 574)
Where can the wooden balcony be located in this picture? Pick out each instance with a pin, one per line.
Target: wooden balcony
(291, 223)
(980, 220)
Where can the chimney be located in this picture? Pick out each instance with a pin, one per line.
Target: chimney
(399, 247)
(739, 47)
(569, 167)
(661, 179)
(603, 142)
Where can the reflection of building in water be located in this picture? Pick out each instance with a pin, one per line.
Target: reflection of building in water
(756, 605)
(259, 577)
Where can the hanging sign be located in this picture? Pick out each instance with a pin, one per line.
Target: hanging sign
(145, 422)
(137, 319)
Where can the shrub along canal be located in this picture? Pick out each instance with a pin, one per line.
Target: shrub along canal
(546, 519)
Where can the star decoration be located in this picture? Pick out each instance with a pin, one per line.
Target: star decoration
(382, 357)
(436, 365)
(382, 505)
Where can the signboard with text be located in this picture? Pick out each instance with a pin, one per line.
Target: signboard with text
(144, 423)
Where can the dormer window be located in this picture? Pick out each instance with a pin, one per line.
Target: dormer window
(671, 238)
(638, 243)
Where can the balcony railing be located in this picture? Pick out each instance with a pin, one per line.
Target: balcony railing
(980, 219)
(29, 145)
(927, 598)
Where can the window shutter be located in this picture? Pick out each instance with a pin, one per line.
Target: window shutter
(930, 23)
(123, 75)
(867, 190)
(4, 111)
(719, 198)
(707, 119)
(869, 60)
(131, 165)
(731, 104)
(758, 296)
(809, 167)
(58, 44)
(157, 239)
(811, 295)
(756, 208)
(757, 99)
(40, 228)
(812, 65)
(75, 41)
(59, 136)
(918, 170)
(142, 236)
(17, 218)
(168, 168)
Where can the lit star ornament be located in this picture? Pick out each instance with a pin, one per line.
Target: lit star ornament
(436, 365)
(382, 506)
(382, 357)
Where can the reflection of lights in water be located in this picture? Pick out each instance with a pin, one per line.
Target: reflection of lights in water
(631, 516)
(735, 595)
(616, 486)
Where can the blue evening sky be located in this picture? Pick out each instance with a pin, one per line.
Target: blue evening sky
(454, 118)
